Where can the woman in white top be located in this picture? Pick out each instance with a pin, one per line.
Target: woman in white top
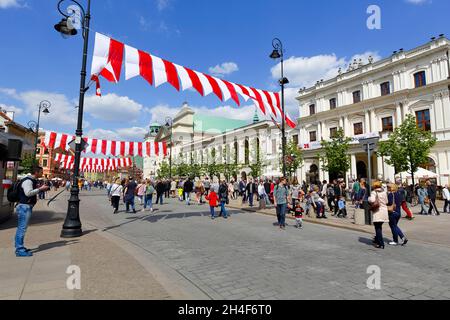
(173, 188)
(379, 200)
(116, 192)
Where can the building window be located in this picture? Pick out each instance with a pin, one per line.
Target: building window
(333, 103)
(358, 128)
(420, 79)
(274, 146)
(356, 96)
(385, 88)
(295, 140)
(44, 163)
(333, 132)
(312, 109)
(423, 120)
(387, 124)
(312, 136)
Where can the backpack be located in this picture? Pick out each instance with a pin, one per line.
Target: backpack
(13, 194)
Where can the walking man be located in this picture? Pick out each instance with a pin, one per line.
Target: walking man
(432, 195)
(28, 191)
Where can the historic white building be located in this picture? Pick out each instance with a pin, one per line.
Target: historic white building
(201, 139)
(372, 99)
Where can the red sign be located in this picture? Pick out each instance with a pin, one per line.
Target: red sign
(6, 184)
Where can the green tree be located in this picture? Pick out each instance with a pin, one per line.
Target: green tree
(182, 170)
(164, 170)
(408, 147)
(258, 163)
(294, 158)
(27, 163)
(335, 158)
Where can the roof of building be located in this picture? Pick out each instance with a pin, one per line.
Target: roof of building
(205, 123)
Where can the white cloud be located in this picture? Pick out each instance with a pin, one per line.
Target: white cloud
(162, 4)
(306, 71)
(62, 111)
(103, 134)
(17, 111)
(418, 1)
(114, 108)
(225, 68)
(4, 4)
(124, 134)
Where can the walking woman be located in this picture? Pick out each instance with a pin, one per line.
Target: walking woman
(422, 193)
(149, 191)
(378, 201)
(362, 194)
(116, 192)
(394, 209)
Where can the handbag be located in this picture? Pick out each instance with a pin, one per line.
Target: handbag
(375, 206)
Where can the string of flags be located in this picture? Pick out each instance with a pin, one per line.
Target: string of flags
(109, 57)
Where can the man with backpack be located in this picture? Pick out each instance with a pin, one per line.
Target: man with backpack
(24, 193)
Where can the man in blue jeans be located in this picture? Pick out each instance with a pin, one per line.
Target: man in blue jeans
(280, 196)
(28, 192)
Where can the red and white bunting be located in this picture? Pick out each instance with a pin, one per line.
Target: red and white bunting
(67, 162)
(157, 71)
(55, 140)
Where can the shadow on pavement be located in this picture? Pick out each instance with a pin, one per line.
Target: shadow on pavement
(153, 218)
(51, 245)
(37, 218)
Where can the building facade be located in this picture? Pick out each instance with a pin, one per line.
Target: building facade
(202, 140)
(371, 100)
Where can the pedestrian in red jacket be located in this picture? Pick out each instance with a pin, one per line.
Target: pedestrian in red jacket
(213, 199)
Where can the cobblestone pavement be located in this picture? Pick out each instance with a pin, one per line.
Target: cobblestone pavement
(247, 257)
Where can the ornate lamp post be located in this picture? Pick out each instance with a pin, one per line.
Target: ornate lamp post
(279, 54)
(34, 126)
(72, 224)
(169, 124)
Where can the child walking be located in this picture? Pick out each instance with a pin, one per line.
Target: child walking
(213, 199)
(299, 216)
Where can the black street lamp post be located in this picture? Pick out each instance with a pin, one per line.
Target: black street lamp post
(279, 54)
(72, 224)
(169, 124)
(34, 126)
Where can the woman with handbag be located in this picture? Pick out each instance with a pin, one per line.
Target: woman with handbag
(394, 210)
(378, 201)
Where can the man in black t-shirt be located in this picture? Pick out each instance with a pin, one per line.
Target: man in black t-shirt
(130, 192)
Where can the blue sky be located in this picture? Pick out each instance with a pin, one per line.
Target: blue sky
(319, 37)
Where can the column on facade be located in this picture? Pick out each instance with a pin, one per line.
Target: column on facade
(323, 175)
(398, 114)
(347, 127)
(438, 111)
(341, 122)
(373, 121)
(367, 127)
(380, 169)
(319, 131)
(354, 169)
(442, 166)
(446, 106)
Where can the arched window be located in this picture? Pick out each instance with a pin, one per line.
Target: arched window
(430, 165)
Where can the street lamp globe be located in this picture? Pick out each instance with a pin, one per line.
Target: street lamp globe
(275, 54)
(65, 27)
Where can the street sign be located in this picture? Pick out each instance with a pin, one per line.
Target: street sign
(73, 143)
